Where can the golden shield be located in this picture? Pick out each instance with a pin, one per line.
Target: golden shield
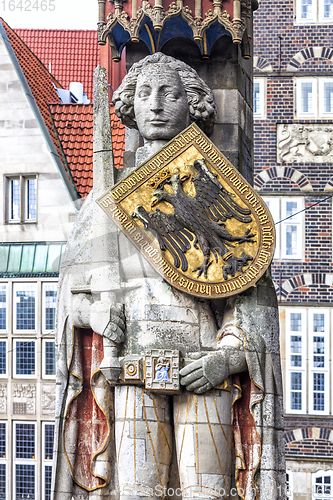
(194, 218)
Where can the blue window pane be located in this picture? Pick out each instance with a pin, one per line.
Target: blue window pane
(48, 441)
(3, 358)
(25, 358)
(50, 366)
(24, 482)
(25, 441)
(3, 307)
(319, 322)
(319, 352)
(2, 481)
(296, 400)
(256, 98)
(306, 97)
(296, 388)
(2, 440)
(50, 306)
(26, 308)
(47, 482)
(328, 9)
(306, 9)
(15, 197)
(291, 240)
(31, 199)
(296, 322)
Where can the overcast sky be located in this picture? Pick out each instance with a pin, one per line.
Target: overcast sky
(61, 14)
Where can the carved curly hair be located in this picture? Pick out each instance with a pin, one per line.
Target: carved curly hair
(200, 98)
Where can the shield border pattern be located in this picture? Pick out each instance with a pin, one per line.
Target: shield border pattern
(110, 202)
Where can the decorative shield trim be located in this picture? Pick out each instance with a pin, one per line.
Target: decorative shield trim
(243, 227)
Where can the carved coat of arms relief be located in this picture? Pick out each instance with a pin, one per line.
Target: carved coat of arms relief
(304, 143)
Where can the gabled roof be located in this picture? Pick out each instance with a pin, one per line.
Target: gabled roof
(70, 55)
(70, 126)
(74, 124)
(41, 84)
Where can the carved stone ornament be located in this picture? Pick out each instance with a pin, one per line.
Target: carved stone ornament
(305, 143)
(48, 399)
(194, 218)
(3, 398)
(159, 17)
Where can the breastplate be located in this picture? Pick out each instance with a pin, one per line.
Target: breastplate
(158, 315)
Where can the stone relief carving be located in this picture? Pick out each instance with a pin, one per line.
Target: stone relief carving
(159, 17)
(24, 398)
(48, 399)
(304, 143)
(3, 398)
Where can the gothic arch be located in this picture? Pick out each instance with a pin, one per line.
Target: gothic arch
(295, 282)
(286, 172)
(308, 53)
(261, 64)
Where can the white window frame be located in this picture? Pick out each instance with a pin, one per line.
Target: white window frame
(312, 368)
(5, 375)
(45, 284)
(22, 375)
(273, 204)
(17, 287)
(24, 461)
(261, 115)
(299, 112)
(46, 462)
(23, 218)
(318, 92)
(321, 17)
(302, 21)
(317, 16)
(7, 306)
(318, 474)
(296, 220)
(289, 485)
(4, 459)
(299, 369)
(277, 207)
(45, 341)
(321, 82)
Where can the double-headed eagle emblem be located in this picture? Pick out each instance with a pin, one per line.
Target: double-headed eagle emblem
(200, 218)
(194, 218)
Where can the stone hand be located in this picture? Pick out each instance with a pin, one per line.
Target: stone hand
(108, 321)
(211, 370)
(204, 373)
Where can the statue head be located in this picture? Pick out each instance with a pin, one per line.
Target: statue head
(160, 96)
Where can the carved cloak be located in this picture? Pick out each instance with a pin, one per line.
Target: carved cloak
(257, 402)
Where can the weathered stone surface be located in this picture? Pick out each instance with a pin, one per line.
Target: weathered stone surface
(229, 353)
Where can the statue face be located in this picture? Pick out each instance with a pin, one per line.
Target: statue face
(160, 104)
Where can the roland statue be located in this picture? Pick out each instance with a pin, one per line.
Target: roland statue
(221, 437)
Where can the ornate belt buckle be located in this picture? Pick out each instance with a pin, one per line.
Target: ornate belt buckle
(161, 367)
(132, 371)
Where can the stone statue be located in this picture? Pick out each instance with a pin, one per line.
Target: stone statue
(222, 437)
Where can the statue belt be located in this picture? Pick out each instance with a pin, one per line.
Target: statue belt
(158, 371)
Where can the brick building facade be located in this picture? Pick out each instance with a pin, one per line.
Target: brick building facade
(293, 105)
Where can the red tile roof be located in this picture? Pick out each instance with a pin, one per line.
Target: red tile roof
(69, 125)
(70, 55)
(74, 123)
(41, 83)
